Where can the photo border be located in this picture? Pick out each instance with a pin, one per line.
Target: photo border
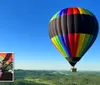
(13, 68)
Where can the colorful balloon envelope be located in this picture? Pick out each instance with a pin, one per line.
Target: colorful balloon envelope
(6, 57)
(73, 31)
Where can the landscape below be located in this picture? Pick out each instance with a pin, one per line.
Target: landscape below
(43, 77)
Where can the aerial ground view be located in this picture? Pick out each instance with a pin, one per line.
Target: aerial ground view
(36, 77)
(54, 42)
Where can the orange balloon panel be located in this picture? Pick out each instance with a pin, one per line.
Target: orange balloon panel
(3, 55)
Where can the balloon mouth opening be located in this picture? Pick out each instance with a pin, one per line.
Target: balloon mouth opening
(73, 63)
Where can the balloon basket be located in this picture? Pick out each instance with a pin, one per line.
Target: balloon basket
(73, 69)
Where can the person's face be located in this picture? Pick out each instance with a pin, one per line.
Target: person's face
(0, 65)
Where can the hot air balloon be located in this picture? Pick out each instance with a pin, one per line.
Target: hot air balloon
(73, 31)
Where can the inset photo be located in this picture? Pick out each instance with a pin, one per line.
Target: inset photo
(6, 67)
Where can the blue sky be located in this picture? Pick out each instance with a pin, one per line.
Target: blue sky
(24, 31)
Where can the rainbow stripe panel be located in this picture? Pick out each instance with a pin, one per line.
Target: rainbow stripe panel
(73, 31)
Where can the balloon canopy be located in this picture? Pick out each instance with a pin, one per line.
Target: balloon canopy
(73, 31)
(6, 57)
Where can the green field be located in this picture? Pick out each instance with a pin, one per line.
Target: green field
(37, 77)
